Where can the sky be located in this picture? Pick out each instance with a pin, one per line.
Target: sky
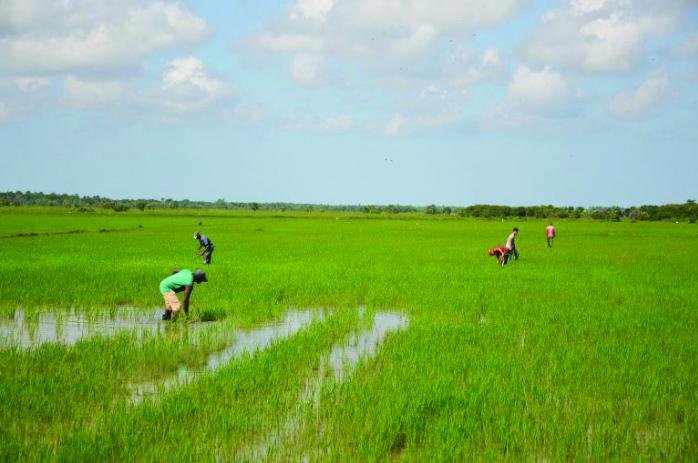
(413, 102)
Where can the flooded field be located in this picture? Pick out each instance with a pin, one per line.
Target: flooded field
(323, 338)
(245, 342)
(341, 359)
(335, 367)
(67, 328)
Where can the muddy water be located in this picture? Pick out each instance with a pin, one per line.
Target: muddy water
(70, 327)
(245, 342)
(341, 361)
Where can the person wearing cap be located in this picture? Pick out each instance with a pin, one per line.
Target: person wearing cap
(180, 280)
(205, 247)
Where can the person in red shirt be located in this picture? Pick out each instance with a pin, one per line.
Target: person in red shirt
(499, 252)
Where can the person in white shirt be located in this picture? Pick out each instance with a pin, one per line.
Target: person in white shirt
(511, 245)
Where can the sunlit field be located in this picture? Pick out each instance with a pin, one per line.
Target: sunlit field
(330, 336)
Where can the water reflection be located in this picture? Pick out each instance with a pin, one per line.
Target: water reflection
(341, 361)
(70, 327)
(364, 344)
(245, 342)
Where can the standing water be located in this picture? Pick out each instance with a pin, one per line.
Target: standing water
(341, 360)
(245, 342)
(70, 327)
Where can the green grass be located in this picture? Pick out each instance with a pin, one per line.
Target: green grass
(585, 351)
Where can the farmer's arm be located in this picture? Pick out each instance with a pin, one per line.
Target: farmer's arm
(187, 292)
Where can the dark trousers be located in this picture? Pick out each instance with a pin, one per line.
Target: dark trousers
(207, 255)
(513, 253)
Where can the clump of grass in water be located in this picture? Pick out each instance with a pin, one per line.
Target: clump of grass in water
(338, 365)
(210, 315)
(244, 343)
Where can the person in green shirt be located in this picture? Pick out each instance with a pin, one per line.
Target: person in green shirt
(180, 280)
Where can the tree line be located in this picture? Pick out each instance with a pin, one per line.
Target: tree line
(686, 211)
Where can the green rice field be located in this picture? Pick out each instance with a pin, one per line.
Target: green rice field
(346, 337)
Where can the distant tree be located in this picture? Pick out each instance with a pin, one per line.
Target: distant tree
(107, 204)
(430, 209)
(614, 214)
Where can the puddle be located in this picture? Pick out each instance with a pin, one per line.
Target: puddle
(245, 342)
(341, 360)
(344, 358)
(70, 327)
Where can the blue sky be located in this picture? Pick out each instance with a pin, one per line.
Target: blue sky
(520, 102)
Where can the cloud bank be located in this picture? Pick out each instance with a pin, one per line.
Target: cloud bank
(49, 37)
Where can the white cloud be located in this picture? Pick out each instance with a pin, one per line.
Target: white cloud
(600, 35)
(186, 86)
(31, 84)
(395, 125)
(311, 9)
(427, 101)
(580, 7)
(533, 96)
(46, 36)
(490, 57)
(306, 68)
(422, 53)
(416, 43)
(488, 65)
(444, 15)
(378, 34)
(539, 91)
(644, 101)
(86, 94)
